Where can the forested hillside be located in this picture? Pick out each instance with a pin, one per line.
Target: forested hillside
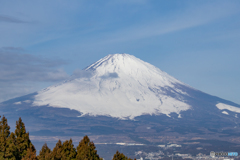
(17, 146)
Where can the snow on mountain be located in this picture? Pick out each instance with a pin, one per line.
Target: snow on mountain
(224, 112)
(120, 86)
(222, 106)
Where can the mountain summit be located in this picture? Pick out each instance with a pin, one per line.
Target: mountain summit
(120, 86)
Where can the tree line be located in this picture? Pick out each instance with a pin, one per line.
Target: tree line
(18, 146)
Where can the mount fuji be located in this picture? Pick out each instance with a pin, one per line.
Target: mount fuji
(121, 98)
(120, 86)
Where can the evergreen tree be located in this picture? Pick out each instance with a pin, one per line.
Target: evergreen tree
(68, 150)
(57, 150)
(86, 150)
(22, 140)
(45, 153)
(11, 150)
(120, 156)
(4, 134)
(30, 154)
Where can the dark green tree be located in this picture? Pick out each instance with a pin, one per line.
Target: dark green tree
(22, 140)
(4, 134)
(45, 153)
(57, 151)
(86, 150)
(68, 150)
(30, 154)
(120, 156)
(11, 150)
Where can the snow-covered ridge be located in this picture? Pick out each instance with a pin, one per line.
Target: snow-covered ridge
(222, 106)
(121, 86)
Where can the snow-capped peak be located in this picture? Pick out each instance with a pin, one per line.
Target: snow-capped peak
(121, 86)
(129, 65)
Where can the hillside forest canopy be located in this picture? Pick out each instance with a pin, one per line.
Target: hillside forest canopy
(17, 146)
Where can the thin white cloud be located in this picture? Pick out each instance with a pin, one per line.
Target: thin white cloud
(128, 2)
(15, 66)
(58, 25)
(9, 19)
(22, 73)
(189, 18)
(78, 73)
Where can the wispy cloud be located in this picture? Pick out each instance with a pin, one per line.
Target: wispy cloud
(128, 2)
(110, 75)
(191, 17)
(16, 66)
(9, 19)
(78, 73)
(22, 73)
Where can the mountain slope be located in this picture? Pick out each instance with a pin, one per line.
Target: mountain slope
(121, 86)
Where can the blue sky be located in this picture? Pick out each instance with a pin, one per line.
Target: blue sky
(44, 42)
